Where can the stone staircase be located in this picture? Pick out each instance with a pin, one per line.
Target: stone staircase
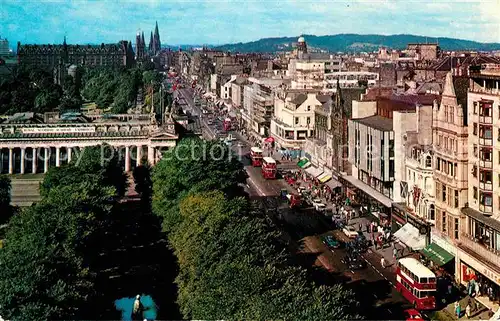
(25, 191)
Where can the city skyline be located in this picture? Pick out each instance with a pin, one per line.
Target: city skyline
(222, 22)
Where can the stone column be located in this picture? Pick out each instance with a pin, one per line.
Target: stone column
(33, 164)
(11, 161)
(151, 155)
(138, 155)
(23, 156)
(58, 156)
(46, 160)
(69, 154)
(127, 159)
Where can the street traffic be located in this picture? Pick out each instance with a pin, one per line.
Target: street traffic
(342, 252)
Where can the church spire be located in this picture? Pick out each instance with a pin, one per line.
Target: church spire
(156, 40)
(150, 47)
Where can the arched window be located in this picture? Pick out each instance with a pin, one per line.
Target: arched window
(432, 214)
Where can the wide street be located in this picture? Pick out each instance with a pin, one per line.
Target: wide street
(375, 291)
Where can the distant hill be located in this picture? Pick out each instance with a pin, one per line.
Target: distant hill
(355, 43)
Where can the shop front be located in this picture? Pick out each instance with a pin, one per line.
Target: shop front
(481, 283)
(402, 215)
(361, 194)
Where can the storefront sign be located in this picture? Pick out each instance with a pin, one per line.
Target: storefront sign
(49, 130)
(469, 273)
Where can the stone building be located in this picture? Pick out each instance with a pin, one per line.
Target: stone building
(449, 129)
(293, 119)
(477, 235)
(52, 56)
(32, 143)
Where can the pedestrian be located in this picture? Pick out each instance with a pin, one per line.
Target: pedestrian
(395, 253)
(458, 310)
(467, 310)
(382, 262)
(360, 227)
(450, 289)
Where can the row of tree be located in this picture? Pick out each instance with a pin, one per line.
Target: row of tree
(47, 263)
(233, 264)
(34, 90)
(29, 89)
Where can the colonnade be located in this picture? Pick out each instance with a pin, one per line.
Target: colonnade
(38, 159)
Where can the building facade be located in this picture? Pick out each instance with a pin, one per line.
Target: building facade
(479, 237)
(293, 119)
(449, 130)
(32, 143)
(51, 56)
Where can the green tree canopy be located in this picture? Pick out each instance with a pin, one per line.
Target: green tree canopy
(45, 264)
(232, 263)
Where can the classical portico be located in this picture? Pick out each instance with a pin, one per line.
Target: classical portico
(32, 143)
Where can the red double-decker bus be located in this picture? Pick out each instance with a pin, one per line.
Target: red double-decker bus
(256, 156)
(417, 283)
(269, 168)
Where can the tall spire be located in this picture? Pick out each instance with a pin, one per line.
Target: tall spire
(156, 40)
(150, 47)
(143, 42)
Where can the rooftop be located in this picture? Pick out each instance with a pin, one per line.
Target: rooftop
(377, 122)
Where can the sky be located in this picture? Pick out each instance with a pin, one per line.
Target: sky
(219, 22)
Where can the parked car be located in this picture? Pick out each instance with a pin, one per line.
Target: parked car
(350, 232)
(330, 242)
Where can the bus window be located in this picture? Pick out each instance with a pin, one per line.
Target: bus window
(423, 280)
(425, 294)
(432, 280)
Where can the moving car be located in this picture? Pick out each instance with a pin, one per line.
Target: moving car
(320, 208)
(330, 242)
(354, 261)
(412, 314)
(350, 232)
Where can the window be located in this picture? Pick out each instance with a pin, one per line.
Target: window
(443, 193)
(440, 140)
(455, 230)
(474, 192)
(308, 120)
(474, 129)
(432, 214)
(475, 108)
(456, 199)
(485, 155)
(443, 221)
(474, 171)
(296, 120)
(486, 177)
(474, 149)
(446, 113)
(486, 199)
(428, 161)
(452, 115)
(438, 164)
(455, 170)
(308, 108)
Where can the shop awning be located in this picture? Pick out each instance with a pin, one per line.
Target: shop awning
(333, 184)
(325, 177)
(437, 254)
(303, 163)
(410, 236)
(314, 171)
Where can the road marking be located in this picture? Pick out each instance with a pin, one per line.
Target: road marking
(249, 179)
